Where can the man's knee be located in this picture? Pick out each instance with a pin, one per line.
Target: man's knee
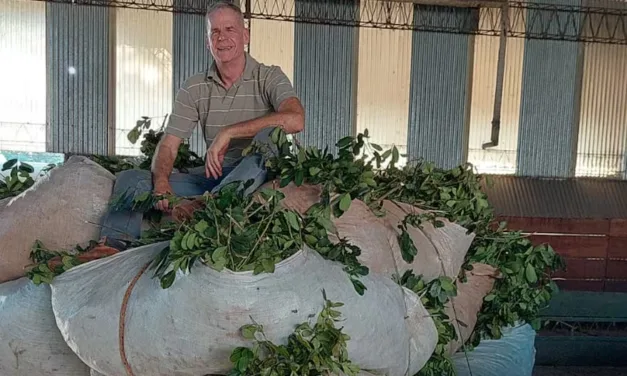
(264, 135)
(136, 180)
(264, 138)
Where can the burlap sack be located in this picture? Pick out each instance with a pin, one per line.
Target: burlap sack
(467, 304)
(441, 251)
(62, 209)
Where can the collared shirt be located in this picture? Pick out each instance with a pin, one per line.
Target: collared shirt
(203, 99)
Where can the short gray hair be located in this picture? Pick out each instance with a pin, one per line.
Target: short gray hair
(225, 4)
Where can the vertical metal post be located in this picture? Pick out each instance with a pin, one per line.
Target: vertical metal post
(500, 75)
(248, 18)
(111, 90)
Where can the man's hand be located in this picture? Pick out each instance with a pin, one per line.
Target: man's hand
(162, 164)
(162, 188)
(215, 154)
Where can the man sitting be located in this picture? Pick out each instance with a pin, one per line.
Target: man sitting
(237, 100)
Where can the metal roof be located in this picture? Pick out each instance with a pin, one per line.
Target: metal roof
(589, 198)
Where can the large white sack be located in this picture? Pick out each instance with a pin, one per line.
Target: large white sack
(192, 327)
(30, 342)
(361, 373)
(62, 209)
(441, 251)
(514, 354)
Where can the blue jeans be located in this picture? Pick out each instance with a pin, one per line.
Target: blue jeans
(126, 224)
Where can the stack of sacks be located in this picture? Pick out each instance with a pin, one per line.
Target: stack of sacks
(192, 326)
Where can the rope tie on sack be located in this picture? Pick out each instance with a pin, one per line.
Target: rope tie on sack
(122, 322)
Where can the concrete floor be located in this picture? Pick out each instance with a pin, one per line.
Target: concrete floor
(579, 371)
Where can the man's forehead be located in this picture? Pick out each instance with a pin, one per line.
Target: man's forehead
(224, 17)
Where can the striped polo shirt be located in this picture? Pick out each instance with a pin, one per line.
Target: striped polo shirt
(203, 100)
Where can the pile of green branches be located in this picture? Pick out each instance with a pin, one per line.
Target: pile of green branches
(361, 170)
(240, 233)
(250, 233)
(185, 158)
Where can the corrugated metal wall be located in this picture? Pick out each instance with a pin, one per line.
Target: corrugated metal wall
(23, 76)
(191, 55)
(432, 91)
(272, 41)
(143, 79)
(383, 77)
(549, 114)
(502, 158)
(325, 72)
(440, 88)
(78, 55)
(603, 122)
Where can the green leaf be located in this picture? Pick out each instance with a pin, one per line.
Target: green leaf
(133, 135)
(9, 164)
(345, 202)
(299, 177)
(25, 167)
(248, 331)
(313, 171)
(447, 284)
(530, 274)
(291, 218)
(219, 255)
(408, 249)
(395, 156)
(201, 226)
(344, 142)
(359, 286)
(191, 241)
(168, 279)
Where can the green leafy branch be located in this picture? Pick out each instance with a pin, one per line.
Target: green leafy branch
(348, 176)
(455, 194)
(434, 295)
(310, 351)
(185, 158)
(526, 286)
(44, 269)
(18, 179)
(241, 233)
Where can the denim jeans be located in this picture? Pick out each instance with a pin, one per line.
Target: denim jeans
(126, 224)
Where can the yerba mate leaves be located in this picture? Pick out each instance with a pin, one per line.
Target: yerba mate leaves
(311, 350)
(242, 233)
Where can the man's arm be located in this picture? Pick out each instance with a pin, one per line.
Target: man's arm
(290, 117)
(163, 162)
(182, 121)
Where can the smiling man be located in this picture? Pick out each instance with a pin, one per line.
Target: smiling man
(237, 100)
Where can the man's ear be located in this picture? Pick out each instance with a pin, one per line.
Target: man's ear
(246, 36)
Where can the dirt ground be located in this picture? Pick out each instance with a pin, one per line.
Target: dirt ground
(579, 371)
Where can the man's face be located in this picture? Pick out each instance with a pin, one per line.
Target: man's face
(227, 35)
